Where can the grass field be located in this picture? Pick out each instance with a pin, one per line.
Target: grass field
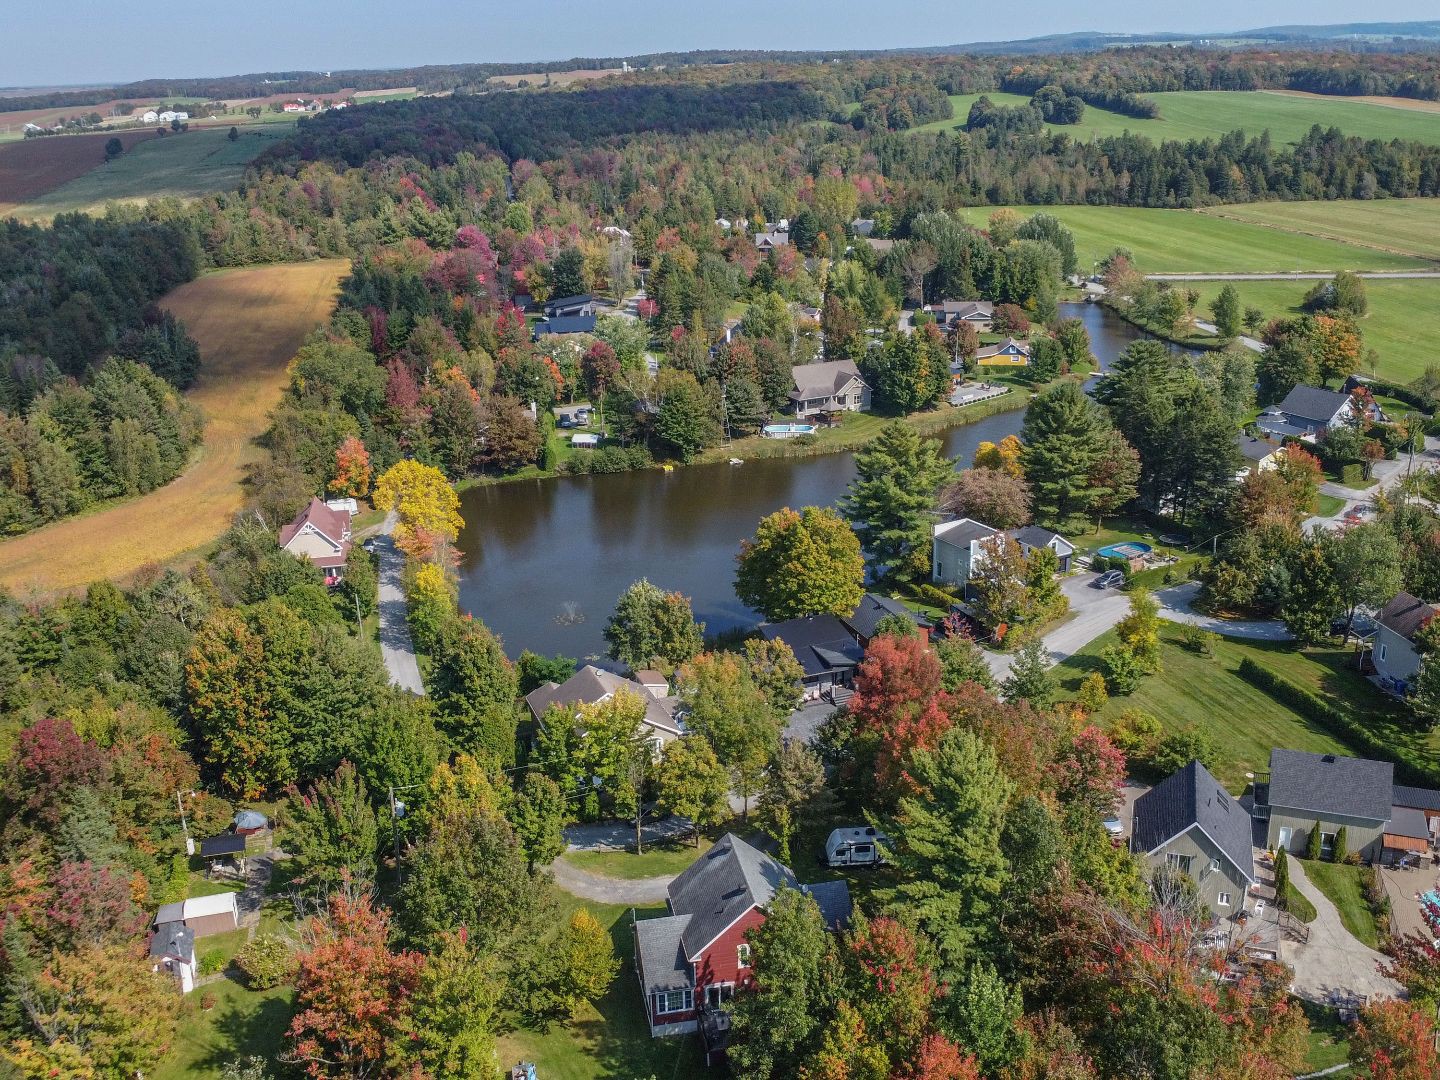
(198, 162)
(610, 1039)
(242, 1023)
(248, 323)
(1401, 326)
(1184, 240)
(1402, 226)
(1192, 114)
(658, 860)
(1242, 721)
(1344, 886)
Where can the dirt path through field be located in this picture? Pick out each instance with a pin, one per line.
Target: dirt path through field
(248, 323)
(1411, 104)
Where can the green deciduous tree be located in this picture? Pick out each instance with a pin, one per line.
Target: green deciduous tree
(452, 1012)
(804, 562)
(651, 626)
(730, 712)
(982, 1013)
(538, 814)
(692, 783)
(1227, 311)
(1030, 678)
(332, 833)
(794, 783)
(776, 672)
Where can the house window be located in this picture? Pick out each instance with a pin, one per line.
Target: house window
(742, 954)
(1223, 900)
(1327, 844)
(1178, 861)
(657, 746)
(717, 994)
(672, 1001)
(1213, 867)
(1383, 647)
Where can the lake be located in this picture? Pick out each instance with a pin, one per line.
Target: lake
(545, 560)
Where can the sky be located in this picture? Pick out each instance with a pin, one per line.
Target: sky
(72, 42)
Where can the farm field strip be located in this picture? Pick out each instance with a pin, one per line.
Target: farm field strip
(30, 168)
(1401, 226)
(248, 323)
(1177, 241)
(195, 163)
(1208, 114)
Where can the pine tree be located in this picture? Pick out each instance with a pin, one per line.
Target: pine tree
(1064, 434)
(890, 500)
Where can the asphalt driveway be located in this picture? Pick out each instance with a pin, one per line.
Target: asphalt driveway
(1092, 612)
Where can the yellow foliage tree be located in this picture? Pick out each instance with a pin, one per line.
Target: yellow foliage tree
(428, 508)
(1003, 457)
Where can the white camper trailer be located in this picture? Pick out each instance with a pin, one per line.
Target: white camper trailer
(859, 846)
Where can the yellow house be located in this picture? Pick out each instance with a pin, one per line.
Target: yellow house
(1009, 353)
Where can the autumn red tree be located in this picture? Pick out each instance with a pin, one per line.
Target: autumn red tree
(1089, 772)
(352, 468)
(599, 369)
(894, 988)
(49, 762)
(940, 1059)
(900, 703)
(1394, 1040)
(352, 993)
(92, 905)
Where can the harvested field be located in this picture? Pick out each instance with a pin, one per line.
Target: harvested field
(248, 323)
(1415, 104)
(34, 166)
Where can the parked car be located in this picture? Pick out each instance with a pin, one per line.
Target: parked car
(565, 422)
(1109, 580)
(1113, 825)
(370, 545)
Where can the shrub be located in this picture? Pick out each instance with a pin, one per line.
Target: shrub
(265, 962)
(212, 962)
(1193, 637)
(1312, 843)
(1121, 669)
(1352, 475)
(1093, 695)
(608, 459)
(1179, 748)
(1342, 842)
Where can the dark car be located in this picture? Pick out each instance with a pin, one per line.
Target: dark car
(565, 422)
(1109, 580)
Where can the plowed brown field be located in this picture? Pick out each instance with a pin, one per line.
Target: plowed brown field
(249, 323)
(32, 167)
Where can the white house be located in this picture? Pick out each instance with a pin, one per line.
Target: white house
(1261, 454)
(149, 116)
(1306, 413)
(170, 115)
(960, 546)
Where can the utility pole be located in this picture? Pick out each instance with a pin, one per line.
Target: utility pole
(184, 825)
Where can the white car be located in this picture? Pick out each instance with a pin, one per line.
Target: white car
(1114, 826)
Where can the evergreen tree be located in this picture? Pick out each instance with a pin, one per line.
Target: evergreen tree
(1313, 843)
(1064, 435)
(890, 500)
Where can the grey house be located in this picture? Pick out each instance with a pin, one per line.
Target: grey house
(957, 548)
(1190, 823)
(1399, 621)
(829, 386)
(1030, 537)
(1306, 413)
(1304, 788)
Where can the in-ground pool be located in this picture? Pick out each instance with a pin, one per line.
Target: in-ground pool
(788, 431)
(1130, 549)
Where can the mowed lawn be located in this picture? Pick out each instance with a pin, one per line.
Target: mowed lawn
(1209, 114)
(188, 165)
(249, 323)
(1243, 722)
(1402, 326)
(1177, 241)
(1402, 226)
(609, 1040)
(243, 1023)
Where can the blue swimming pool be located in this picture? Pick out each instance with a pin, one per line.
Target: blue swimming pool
(788, 431)
(1130, 549)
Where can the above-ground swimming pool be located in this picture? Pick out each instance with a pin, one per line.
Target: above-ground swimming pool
(1130, 549)
(788, 431)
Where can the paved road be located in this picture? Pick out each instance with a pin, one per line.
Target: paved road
(396, 647)
(1333, 961)
(1311, 275)
(1093, 611)
(1175, 607)
(1387, 474)
(1253, 344)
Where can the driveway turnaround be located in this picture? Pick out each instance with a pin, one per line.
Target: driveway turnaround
(396, 646)
(1333, 966)
(608, 890)
(1092, 612)
(1175, 606)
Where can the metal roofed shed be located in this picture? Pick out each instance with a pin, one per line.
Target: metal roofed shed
(223, 846)
(250, 821)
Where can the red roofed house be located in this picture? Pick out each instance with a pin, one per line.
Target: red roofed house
(691, 961)
(321, 535)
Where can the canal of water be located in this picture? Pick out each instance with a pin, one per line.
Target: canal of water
(545, 560)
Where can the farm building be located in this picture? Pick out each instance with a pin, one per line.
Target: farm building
(201, 915)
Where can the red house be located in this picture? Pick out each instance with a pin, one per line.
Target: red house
(691, 962)
(321, 534)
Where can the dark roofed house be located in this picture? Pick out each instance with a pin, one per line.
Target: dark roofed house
(1306, 413)
(957, 547)
(829, 386)
(1261, 454)
(172, 949)
(1190, 823)
(827, 651)
(872, 610)
(1030, 537)
(1425, 801)
(691, 962)
(321, 534)
(567, 306)
(1333, 790)
(565, 324)
(1395, 657)
(950, 313)
(589, 685)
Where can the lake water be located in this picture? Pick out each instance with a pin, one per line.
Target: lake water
(545, 560)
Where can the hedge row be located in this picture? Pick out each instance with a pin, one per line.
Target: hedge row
(1408, 770)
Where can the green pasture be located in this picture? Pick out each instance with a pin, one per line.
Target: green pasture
(1402, 226)
(1208, 114)
(1177, 241)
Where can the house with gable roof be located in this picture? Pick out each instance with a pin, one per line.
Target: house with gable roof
(1394, 654)
(590, 685)
(1308, 412)
(1191, 824)
(828, 386)
(691, 962)
(321, 534)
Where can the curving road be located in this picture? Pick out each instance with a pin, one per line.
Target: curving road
(396, 646)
